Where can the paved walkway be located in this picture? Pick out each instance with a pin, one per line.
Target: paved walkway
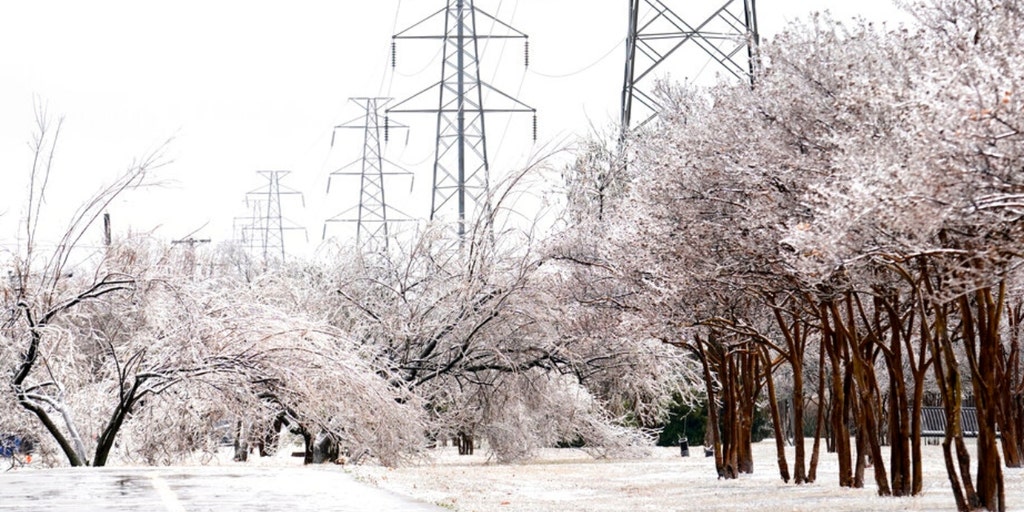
(200, 489)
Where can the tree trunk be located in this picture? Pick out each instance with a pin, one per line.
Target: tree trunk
(465, 443)
(241, 446)
(709, 386)
(795, 343)
(819, 420)
(746, 398)
(1010, 412)
(780, 441)
(325, 449)
(840, 432)
(919, 370)
(917, 461)
(74, 459)
(862, 370)
(106, 440)
(736, 369)
(799, 471)
(899, 404)
(730, 418)
(982, 345)
(947, 377)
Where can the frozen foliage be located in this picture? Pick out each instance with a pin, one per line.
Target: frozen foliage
(539, 411)
(859, 203)
(135, 353)
(481, 330)
(153, 354)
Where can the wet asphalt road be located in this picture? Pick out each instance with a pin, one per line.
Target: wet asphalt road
(181, 489)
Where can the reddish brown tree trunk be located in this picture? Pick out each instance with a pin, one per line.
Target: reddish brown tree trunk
(865, 400)
(947, 377)
(748, 364)
(840, 432)
(703, 353)
(796, 342)
(819, 422)
(981, 342)
(899, 403)
(1011, 415)
(780, 441)
(736, 368)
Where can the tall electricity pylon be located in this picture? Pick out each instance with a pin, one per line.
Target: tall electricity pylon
(727, 34)
(266, 233)
(461, 177)
(372, 215)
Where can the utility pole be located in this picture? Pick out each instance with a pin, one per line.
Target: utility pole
(461, 176)
(372, 214)
(726, 34)
(190, 255)
(191, 242)
(107, 239)
(269, 224)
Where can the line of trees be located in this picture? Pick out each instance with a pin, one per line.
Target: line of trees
(850, 223)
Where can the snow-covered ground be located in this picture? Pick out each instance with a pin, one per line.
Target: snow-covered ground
(566, 480)
(561, 480)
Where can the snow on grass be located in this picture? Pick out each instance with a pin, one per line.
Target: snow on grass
(567, 480)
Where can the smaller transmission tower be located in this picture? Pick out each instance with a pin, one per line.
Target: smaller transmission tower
(372, 214)
(266, 233)
(727, 34)
(246, 230)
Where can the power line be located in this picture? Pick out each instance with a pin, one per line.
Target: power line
(618, 45)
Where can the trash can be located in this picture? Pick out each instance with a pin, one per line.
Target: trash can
(9, 446)
(684, 447)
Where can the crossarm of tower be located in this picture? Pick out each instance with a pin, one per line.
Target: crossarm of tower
(516, 33)
(519, 106)
(397, 106)
(344, 170)
(405, 33)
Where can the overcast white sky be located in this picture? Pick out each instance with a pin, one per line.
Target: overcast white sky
(242, 86)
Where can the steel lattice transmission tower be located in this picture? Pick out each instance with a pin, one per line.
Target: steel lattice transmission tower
(372, 215)
(246, 229)
(265, 234)
(461, 180)
(724, 31)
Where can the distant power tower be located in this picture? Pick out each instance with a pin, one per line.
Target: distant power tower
(247, 230)
(724, 31)
(265, 233)
(372, 215)
(461, 179)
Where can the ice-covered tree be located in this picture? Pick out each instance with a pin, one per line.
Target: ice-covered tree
(863, 190)
(135, 353)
